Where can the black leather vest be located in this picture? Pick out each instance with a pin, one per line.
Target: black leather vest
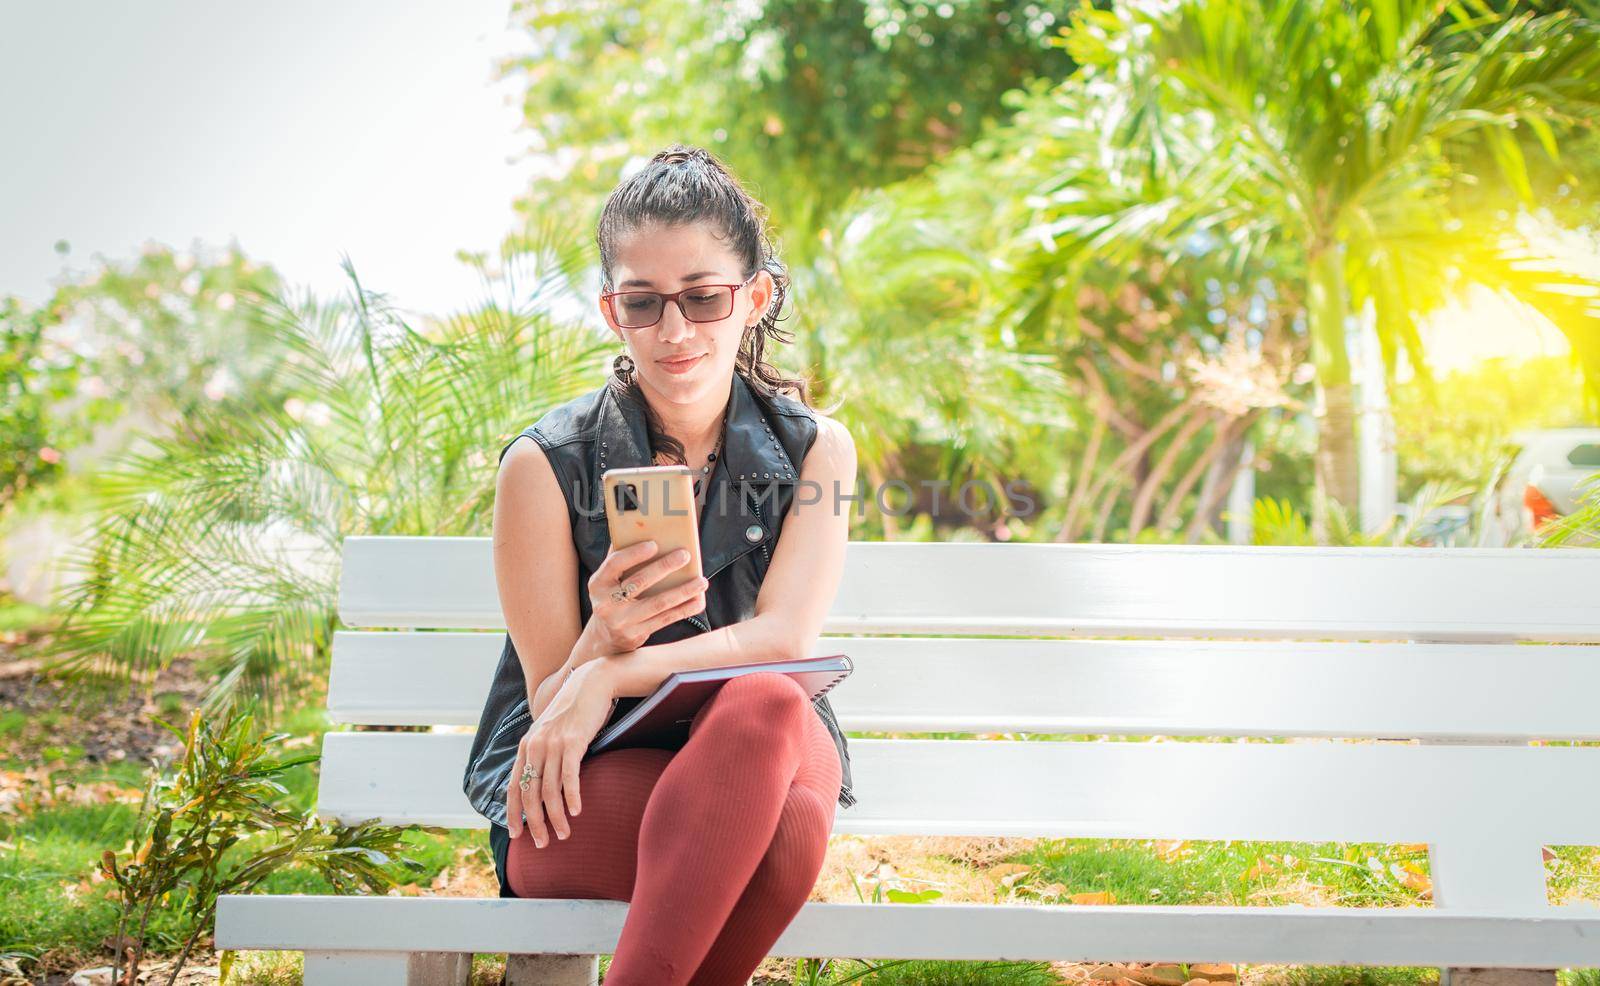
(752, 485)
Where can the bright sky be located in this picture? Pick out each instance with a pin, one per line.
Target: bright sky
(300, 129)
(1485, 323)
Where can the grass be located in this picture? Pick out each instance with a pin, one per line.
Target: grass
(1233, 873)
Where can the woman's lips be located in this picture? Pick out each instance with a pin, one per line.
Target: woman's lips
(682, 365)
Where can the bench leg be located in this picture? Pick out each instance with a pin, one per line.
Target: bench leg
(1492, 879)
(1497, 977)
(388, 968)
(552, 970)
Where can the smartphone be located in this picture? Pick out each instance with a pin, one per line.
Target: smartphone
(654, 503)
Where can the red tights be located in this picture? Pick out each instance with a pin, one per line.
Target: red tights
(716, 845)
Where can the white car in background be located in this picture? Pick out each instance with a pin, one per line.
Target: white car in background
(1544, 481)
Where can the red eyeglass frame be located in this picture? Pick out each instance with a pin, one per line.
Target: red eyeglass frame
(674, 299)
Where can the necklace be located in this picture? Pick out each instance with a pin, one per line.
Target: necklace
(711, 460)
(705, 470)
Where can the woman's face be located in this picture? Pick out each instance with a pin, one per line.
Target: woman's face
(666, 259)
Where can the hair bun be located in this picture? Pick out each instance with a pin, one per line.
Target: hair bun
(677, 155)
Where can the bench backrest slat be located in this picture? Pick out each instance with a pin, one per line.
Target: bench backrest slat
(1306, 791)
(1085, 590)
(1166, 687)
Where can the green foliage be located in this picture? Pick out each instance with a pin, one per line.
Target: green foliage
(1457, 433)
(154, 338)
(1582, 526)
(924, 972)
(906, 284)
(874, 285)
(33, 376)
(223, 542)
(1227, 872)
(223, 793)
(806, 101)
(1374, 152)
(1276, 522)
(165, 335)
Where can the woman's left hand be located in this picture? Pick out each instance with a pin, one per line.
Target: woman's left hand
(555, 744)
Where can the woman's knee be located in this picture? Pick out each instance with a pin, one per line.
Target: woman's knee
(769, 694)
(763, 703)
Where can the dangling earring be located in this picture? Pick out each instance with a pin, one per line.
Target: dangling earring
(622, 366)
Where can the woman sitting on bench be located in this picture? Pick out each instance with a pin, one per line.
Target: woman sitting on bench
(718, 844)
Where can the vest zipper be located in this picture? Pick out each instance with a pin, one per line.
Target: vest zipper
(766, 553)
(526, 713)
(755, 504)
(846, 794)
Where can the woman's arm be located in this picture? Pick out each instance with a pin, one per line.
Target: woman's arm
(796, 593)
(536, 566)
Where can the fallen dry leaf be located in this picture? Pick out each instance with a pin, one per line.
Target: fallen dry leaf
(1261, 868)
(1412, 876)
(1170, 850)
(1008, 873)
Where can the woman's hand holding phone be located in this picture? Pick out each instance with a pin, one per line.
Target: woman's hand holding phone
(621, 625)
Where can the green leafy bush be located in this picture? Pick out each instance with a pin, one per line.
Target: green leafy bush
(225, 792)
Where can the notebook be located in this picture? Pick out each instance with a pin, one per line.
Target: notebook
(662, 719)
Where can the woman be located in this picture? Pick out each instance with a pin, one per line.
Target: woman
(718, 844)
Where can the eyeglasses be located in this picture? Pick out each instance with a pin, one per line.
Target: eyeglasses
(700, 303)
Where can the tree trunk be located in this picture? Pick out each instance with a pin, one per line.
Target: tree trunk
(1229, 435)
(1084, 478)
(1337, 478)
(1144, 500)
(1119, 469)
(1210, 498)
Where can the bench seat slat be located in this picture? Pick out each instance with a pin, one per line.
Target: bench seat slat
(1166, 687)
(1083, 590)
(1302, 791)
(1324, 935)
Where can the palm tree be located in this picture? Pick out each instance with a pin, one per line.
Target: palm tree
(1357, 147)
(889, 327)
(223, 542)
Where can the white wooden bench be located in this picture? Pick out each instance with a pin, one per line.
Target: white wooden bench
(1317, 644)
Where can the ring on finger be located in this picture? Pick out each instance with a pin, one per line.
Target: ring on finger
(624, 591)
(529, 775)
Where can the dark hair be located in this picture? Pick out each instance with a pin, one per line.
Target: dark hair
(681, 185)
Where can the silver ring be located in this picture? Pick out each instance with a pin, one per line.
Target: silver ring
(529, 775)
(625, 591)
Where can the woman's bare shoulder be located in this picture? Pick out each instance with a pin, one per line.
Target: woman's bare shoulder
(832, 435)
(832, 456)
(527, 484)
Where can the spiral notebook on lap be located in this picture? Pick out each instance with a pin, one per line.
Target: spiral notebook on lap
(662, 718)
